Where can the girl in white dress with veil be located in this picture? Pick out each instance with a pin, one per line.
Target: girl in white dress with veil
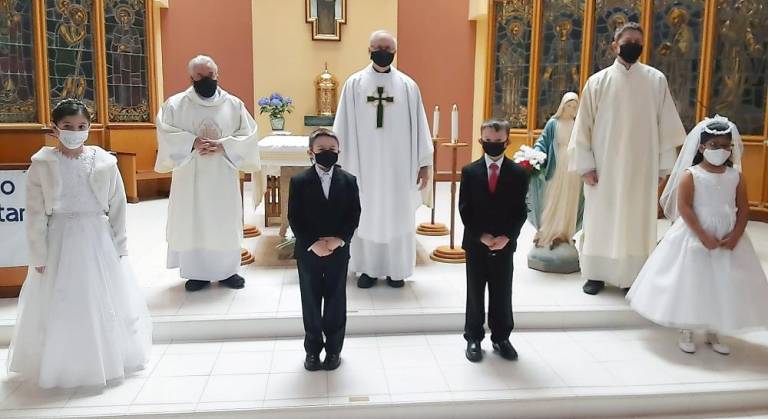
(82, 319)
(705, 275)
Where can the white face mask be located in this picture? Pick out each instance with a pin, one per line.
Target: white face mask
(72, 139)
(717, 157)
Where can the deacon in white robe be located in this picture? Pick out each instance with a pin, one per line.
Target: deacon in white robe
(623, 143)
(205, 137)
(386, 143)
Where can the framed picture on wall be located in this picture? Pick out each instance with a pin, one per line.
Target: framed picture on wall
(326, 17)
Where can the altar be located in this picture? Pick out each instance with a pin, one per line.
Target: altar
(282, 156)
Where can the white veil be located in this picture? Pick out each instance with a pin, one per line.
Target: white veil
(567, 97)
(688, 153)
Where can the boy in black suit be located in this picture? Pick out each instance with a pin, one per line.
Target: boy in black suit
(323, 211)
(493, 210)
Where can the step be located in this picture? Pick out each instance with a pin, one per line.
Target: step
(560, 373)
(255, 326)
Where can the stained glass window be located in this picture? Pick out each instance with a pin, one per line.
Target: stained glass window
(560, 55)
(17, 84)
(70, 51)
(609, 16)
(677, 30)
(741, 63)
(127, 89)
(512, 61)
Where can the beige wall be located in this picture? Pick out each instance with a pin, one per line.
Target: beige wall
(287, 60)
(478, 11)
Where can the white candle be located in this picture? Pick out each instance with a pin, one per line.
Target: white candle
(436, 122)
(455, 124)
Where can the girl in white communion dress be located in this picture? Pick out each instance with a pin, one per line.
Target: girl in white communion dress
(82, 319)
(705, 274)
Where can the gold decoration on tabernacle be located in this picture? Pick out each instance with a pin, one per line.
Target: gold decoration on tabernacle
(326, 87)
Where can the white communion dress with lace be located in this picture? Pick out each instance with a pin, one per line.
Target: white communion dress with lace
(685, 285)
(84, 321)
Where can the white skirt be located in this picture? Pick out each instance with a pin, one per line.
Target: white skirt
(83, 322)
(686, 286)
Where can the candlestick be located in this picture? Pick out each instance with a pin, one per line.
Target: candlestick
(436, 122)
(432, 228)
(455, 124)
(451, 254)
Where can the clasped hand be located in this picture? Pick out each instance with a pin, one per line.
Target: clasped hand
(206, 146)
(325, 246)
(494, 243)
(729, 241)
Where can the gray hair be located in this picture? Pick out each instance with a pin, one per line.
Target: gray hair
(496, 125)
(629, 26)
(382, 33)
(202, 60)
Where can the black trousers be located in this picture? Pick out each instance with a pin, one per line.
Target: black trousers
(495, 269)
(322, 282)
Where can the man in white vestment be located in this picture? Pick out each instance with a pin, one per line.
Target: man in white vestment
(623, 144)
(383, 130)
(205, 137)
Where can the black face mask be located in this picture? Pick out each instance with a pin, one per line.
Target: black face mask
(494, 149)
(382, 58)
(205, 87)
(630, 52)
(326, 158)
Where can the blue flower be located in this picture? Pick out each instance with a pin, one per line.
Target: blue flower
(263, 101)
(288, 100)
(276, 102)
(276, 96)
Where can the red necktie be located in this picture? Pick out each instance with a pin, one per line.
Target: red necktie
(494, 178)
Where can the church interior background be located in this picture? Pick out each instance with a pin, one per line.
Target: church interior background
(508, 59)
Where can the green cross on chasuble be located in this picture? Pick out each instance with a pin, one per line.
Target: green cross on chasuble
(380, 98)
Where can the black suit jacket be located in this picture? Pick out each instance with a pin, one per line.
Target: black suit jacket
(312, 216)
(501, 213)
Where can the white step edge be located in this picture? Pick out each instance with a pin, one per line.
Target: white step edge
(217, 327)
(698, 399)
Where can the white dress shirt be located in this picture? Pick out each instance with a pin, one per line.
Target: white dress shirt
(325, 182)
(325, 179)
(489, 161)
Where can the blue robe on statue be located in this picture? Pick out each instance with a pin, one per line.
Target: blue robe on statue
(538, 185)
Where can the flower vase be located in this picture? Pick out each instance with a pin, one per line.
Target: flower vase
(278, 124)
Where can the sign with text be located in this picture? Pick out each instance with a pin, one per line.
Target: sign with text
(13, 235)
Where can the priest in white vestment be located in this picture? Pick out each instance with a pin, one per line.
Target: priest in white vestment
(383, 130)
(623, 143)
(205, 137)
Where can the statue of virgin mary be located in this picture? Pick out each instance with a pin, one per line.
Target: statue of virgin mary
(555, 198)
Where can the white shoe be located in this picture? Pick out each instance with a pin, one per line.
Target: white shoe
(718, 347)
(685, 342)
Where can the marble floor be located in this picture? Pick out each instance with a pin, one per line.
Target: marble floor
(258, 375)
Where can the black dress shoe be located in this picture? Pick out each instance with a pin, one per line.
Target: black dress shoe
(365, 281)
(506, 350)
(395, 283)
(312, 363)
(235, 282)
(593, 287)
(474, 351)
(332, 361)
(196, 285)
